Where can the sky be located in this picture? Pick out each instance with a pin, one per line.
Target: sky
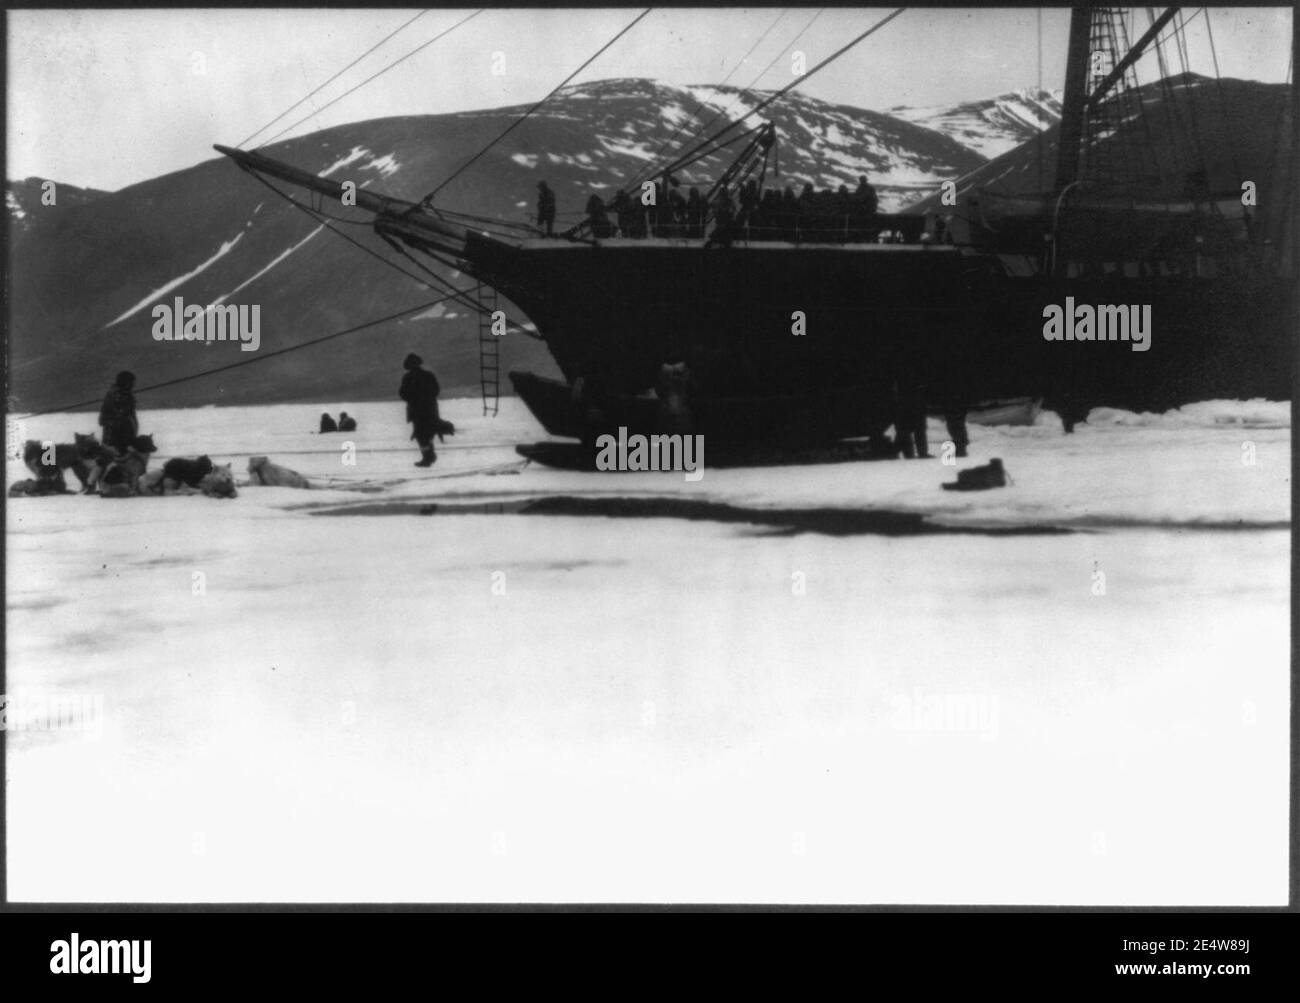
(108, 98)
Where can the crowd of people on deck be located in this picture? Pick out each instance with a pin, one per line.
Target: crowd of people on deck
(768, 214)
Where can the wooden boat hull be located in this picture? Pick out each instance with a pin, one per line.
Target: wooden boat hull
(1023, 411)
(823, 416)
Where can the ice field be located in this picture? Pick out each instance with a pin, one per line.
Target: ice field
(1077, 693)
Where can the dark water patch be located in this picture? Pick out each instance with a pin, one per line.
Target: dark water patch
(827, 521)
(164, 562)
(1199, 526)
(774, 522)
(512, 507)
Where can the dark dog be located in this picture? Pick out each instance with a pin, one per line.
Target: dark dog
(444, 427)
(40, 486)
(49, 462)
(182, 470)
(103, 456)
(990, 475)
(121, 477)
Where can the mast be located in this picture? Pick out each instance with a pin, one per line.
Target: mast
(1078, 103)
(1074, 101)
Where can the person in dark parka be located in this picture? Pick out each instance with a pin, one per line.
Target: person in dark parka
(546, 208)
(117, 416)
(909, 415)
(347, 424)
(420, 391)
(327, 423)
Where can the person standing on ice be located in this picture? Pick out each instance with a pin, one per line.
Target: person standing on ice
(327, 423)
(117, 417)
(420, 391)
(909, 415)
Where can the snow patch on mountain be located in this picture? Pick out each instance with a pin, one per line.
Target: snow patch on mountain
(357, 153)
(433, 313)
(731, 100)
(993, 126)
(275, 261)
(178, 281)
(624, 148)
(386, 165)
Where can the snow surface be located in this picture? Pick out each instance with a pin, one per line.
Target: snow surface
(650, 711)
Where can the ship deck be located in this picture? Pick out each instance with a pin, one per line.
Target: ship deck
(641, 243)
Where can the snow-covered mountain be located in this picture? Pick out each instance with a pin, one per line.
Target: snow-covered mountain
(1240, 132)
(635, 123)
(993, 126)
(23, 199)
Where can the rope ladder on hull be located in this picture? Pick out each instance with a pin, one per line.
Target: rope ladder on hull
(489, 349)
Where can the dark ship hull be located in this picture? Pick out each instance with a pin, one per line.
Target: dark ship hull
(613, 314)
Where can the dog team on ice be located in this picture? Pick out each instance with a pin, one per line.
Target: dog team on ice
(116, 465)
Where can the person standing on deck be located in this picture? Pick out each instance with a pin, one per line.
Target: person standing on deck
(862, 211)
(724, 221)
(696, 211)
(789, 214)
(622, 206)
(676, 209)
(598, 219)
(748, 204)
(657, 210)
(545, 208)
(117, 417)
(866, 197)
(420, 391)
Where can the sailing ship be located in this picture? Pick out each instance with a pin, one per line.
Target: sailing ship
(805, 334)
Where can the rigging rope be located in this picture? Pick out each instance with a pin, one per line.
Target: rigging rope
(1039, 97)
(380, 73)
(637, 178)
(519, 121)
(260, 357)
(340, 73)
(462, 295)
(1147, 153)
(1180, 39)
(317, 214)
(1172, 118)
(1223, 104)
(763, 72)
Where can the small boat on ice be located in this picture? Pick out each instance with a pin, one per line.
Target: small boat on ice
(1015, 411)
